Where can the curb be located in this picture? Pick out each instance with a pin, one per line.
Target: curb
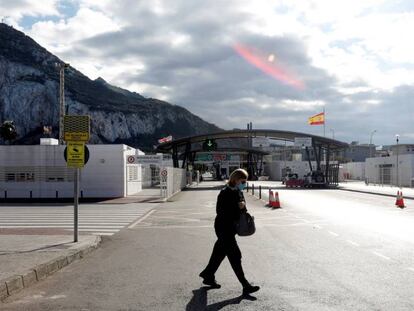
(17, 282)
(375, 193)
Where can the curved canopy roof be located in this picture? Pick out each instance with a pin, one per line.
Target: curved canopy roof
(323, 142)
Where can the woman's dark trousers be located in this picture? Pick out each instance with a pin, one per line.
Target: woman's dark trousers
(226, 245)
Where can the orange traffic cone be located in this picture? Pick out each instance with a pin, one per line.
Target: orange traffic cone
(398, 198)
(401, 201)
(276, 203)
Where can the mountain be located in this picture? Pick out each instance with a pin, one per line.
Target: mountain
(29, 95)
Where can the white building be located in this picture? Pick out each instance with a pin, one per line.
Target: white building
(40, 171)
(384, 170)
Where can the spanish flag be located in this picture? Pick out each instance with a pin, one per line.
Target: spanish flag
(317, 119)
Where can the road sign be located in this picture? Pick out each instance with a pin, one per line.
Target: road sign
(164, 173)
(260, 142)
(76, 154)
(76, 128)
(303, 141)
(209, 145)
(147, 159)
(65, 154)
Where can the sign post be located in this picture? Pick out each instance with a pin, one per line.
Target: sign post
(76, 133)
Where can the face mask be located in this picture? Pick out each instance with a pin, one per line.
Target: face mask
(241, 186)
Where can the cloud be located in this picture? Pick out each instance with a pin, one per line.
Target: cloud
(13, 11)
(354, 58)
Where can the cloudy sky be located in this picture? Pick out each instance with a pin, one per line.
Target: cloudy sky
(274, 63)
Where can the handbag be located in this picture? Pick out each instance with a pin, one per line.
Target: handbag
(245, 226)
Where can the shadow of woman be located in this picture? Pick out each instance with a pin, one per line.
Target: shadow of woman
(199, 301)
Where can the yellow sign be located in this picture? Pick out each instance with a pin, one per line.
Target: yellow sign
(76, 154)
(76, 136)
(76, 128)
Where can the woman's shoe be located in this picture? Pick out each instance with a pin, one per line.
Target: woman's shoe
(210, 281)
(250, 289)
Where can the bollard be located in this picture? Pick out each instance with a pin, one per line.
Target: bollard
(5, 194)
(253, 189)
(57, 194)
(31, 194)
(247, 187)
(260, 192)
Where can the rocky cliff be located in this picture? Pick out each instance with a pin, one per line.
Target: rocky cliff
(29, 95)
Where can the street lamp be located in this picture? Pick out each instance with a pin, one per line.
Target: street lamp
(370, 142)
(397, 137)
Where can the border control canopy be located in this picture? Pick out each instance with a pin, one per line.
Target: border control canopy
(187, 147)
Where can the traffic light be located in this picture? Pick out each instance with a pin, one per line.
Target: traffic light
(209, 145)
(8, 131)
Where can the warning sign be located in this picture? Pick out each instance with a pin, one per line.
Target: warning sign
(76, 128)
(76, 154)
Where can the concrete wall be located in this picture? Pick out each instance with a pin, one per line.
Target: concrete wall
(274, 169)
(41, 171)
(353, 170)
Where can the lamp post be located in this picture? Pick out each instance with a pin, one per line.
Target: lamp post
(61, 67)
(397, 137)
(370, 142)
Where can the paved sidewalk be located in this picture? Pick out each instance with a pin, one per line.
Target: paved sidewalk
(360, 186)
(27, 259)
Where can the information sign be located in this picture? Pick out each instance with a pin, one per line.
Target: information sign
(303, 141)
(76, 154)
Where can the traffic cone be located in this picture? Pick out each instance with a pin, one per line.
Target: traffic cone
(401, 201)
(398, 198)
(271, 198)
(276, 202)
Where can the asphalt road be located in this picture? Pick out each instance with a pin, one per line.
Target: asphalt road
(324, 250)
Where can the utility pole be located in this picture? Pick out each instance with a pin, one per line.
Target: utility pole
(370, 142)
(62, 67)
(397, 137)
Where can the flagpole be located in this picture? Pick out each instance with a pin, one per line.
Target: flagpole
(324, 121)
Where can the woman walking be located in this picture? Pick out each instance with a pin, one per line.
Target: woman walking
(230, 204)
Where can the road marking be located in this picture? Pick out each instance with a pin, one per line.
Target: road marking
(352, 243)
(381, 255)
(141, 219)
(174, 227)
(411, 269)
(333, 233)
(59, 226)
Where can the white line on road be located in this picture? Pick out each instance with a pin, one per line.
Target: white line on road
(352, 243)
(141, 219)
(59, 226)
(381, 255)
(333, 233)
(100, 229)
(174, 227)
(411, 269)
